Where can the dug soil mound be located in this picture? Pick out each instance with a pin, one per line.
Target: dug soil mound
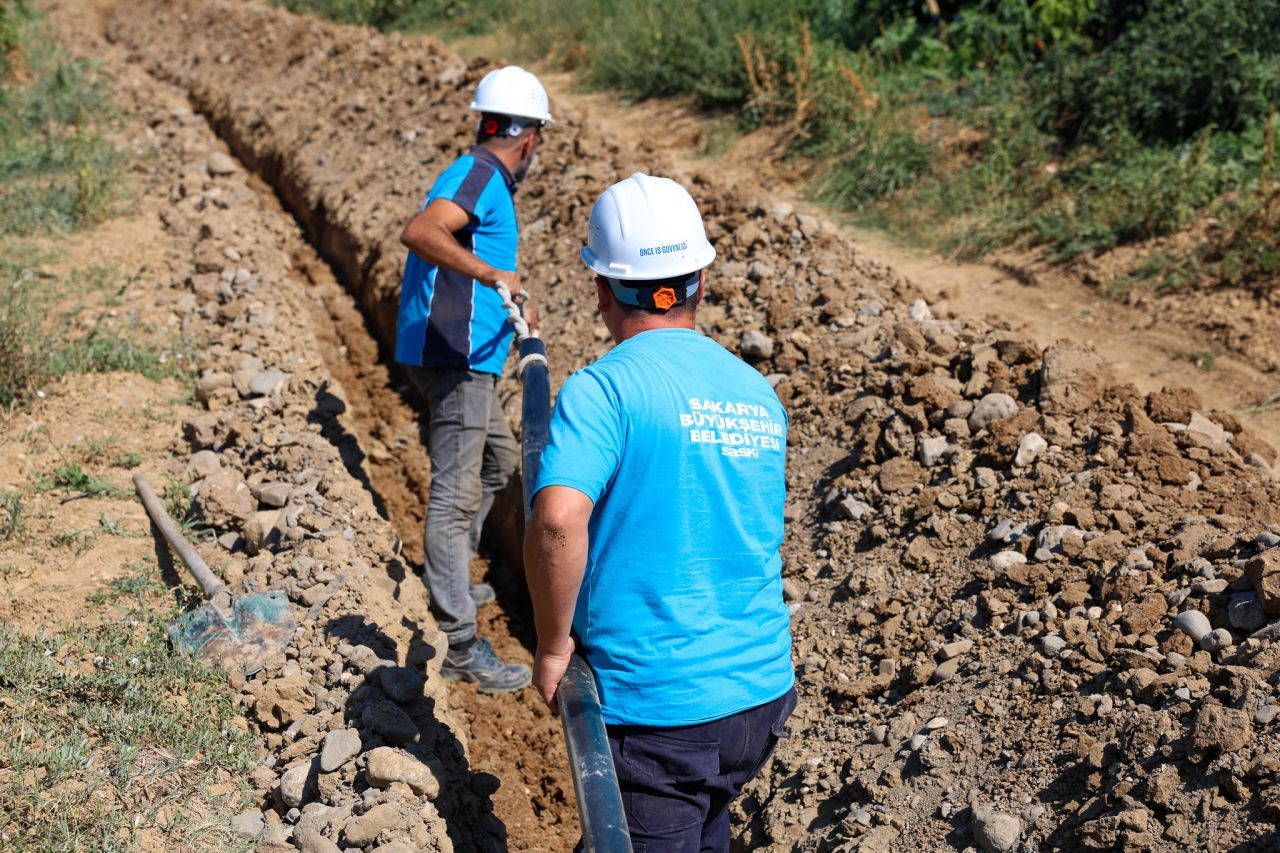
(1033, 607)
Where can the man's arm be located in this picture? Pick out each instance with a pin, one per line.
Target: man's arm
(555, 558)
(429, 235)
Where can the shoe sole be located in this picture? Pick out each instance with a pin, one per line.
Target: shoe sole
(454, 675)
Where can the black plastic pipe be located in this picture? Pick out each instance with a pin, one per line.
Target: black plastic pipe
(595, 779)
(536, 414)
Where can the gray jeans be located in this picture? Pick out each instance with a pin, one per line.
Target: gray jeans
(473, 455)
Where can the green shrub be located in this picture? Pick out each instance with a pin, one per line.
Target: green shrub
(377, 13)
(1076, 125)
(12, 15)
(1182, 67)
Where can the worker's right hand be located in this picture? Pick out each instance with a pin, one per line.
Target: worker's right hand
(548, 668)
(509, 278)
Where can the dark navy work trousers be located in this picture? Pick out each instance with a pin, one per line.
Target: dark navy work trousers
(677, 783)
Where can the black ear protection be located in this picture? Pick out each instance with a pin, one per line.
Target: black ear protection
(656, 295)
(497, 124)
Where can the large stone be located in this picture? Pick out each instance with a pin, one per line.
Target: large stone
(340, 746)
(311, 841)
(1193, 623)
(402, 684)
(419, 770)
(224, 499)
(930, 449)
(1246, 613)
(210, 384)
(1124, 831)
(1072, 378)
(262, 530)
(1264, 572)
(995, 832)
(755, 344)
(386, 718)
(220, 164)
(274, 494)
(283, 701)
(1220, 729)
(1206, 433)
(380, 821)
(268, 382)
(853, 509)
(202, 464)
(991, 408)
(1030, 447)
(296, 783)
(899, 474)
(248, 825)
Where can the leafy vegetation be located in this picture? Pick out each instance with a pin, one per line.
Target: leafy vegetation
(75, 479)
(110, 737)
(1076, 125)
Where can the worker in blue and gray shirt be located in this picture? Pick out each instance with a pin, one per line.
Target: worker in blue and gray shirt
(453, 335)
(653, 546)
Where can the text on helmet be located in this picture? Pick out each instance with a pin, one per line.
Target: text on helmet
(670, 248)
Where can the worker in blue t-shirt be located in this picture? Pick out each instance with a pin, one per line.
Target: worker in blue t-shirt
(653, 547)
(453, 335)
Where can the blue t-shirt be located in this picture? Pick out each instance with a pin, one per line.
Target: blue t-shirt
(682, 448)
(448, 319)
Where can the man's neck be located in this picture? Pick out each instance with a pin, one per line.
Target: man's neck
(630, 326)
(509, 155)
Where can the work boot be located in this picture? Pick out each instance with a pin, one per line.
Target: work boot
(477, 662)
(481, 593)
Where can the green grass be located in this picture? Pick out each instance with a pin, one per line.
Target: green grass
(58, 172)
(96, 748)
(57, 169)
(127, 460)
(113, 527)
(79, 540)
(73, 478)
(1200, 359)
(40, 339)
(12, 525)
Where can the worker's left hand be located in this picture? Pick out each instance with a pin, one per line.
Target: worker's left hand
(530, 315)
(548, 668)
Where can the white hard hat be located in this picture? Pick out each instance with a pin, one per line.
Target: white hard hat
(646, 228)
(512, 91)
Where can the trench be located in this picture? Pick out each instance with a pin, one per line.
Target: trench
(511, 736)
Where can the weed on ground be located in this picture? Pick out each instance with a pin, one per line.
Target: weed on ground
(110, 738)
(57, 169)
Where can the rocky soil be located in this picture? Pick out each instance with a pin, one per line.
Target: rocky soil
(1033, 607)
(359, 745)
